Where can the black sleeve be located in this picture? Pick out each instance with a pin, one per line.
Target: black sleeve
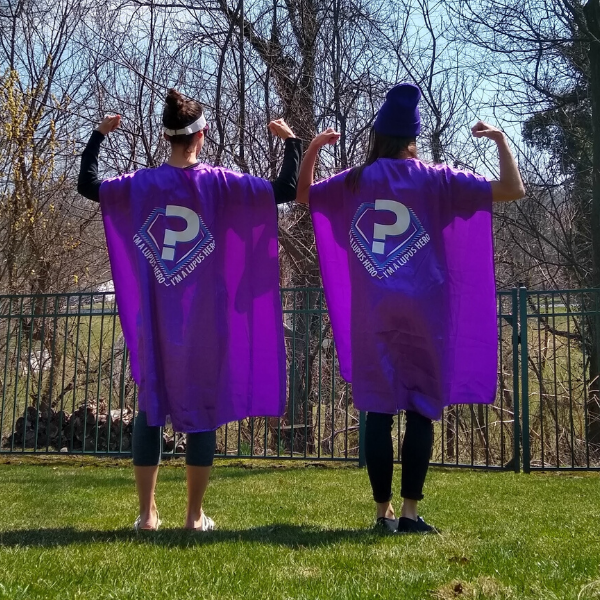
(88, 184)
(284, 187)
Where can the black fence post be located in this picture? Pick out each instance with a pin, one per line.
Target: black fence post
(516, 340)
(524, 378)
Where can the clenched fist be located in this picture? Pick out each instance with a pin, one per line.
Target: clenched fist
(109, 123)
(281, 129)
(482, 129)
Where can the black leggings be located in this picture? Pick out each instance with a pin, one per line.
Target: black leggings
(416, 451)
(199, 450)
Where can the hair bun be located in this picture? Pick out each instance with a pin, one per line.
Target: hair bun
(179, 112)
(174, 99)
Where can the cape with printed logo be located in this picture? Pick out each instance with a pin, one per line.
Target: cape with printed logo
(193, 254)
(408, 271)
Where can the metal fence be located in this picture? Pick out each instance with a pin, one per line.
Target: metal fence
(560, 364)
(66, 386)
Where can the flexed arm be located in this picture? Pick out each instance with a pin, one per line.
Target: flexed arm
(88, 184)
(307, 168)
(510, 185)
(284, 187)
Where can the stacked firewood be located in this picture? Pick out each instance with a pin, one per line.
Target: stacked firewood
(173, 442)
(90, 428)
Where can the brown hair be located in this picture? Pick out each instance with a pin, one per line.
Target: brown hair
(382, 146)
(179, 112)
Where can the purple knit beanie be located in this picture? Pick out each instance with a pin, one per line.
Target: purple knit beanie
(399, 114)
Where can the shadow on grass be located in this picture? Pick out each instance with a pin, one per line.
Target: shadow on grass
(292, 536)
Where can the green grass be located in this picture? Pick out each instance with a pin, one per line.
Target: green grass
(294, 532)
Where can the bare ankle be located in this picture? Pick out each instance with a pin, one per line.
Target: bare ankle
(385, 509)
(193, 520)
(147, 509)
(149, 518)
(409, 509)
(193, 514)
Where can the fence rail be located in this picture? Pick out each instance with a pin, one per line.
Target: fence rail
(66, 386)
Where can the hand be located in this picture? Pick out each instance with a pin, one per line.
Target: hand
(482, 129)
(329, 136)
(281, 129)
(109, 123)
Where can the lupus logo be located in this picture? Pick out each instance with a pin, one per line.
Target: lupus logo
(385, 235)
(175, 241)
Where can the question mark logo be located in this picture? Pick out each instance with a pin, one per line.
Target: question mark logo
(190, 232)
(380, 232)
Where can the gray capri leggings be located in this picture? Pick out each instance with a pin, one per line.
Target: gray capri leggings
(199, 451)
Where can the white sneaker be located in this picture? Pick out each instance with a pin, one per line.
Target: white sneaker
(207, 523)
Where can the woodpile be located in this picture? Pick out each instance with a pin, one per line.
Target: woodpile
(90, 428)
(174, 442)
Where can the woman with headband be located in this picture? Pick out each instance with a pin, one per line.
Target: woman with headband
(193, 253)
(407, 261)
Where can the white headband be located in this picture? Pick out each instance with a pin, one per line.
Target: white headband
(198, 125)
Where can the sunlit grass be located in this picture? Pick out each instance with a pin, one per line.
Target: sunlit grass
(294, 532)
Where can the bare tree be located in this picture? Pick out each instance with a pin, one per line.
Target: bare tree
(544, 58)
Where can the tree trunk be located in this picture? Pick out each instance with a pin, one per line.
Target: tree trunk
(592, 15)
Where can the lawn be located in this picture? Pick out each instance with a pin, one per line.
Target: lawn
(293, 532)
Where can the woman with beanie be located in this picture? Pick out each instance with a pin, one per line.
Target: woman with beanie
(406, 257)
(193, 253)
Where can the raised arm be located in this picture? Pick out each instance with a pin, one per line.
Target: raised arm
(284, 187)
(307, 168)
(509, 186)
(88, 184)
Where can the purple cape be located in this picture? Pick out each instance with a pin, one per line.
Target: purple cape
(408, 271)
(194, 259)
